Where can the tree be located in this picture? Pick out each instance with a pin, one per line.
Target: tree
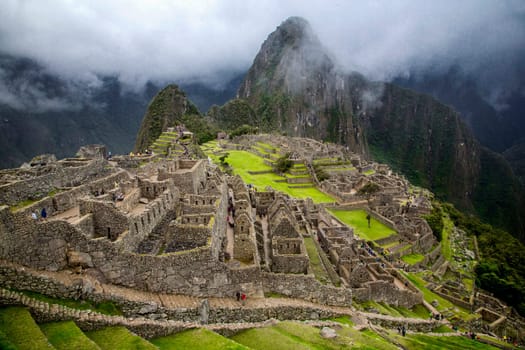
(283, 164)
(368, 190)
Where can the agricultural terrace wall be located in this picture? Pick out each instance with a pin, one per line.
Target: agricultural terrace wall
(59, 176)
(305, 287)
(457, 301)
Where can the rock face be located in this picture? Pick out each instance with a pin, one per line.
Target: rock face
(295, 87)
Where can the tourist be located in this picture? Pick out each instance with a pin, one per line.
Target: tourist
(34, 215)
(43, 214)
(238, 296)
(403, 331)
(243, 299)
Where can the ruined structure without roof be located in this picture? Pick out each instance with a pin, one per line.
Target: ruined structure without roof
(182, 227)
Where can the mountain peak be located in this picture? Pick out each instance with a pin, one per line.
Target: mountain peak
(295, 28)
(290, 58)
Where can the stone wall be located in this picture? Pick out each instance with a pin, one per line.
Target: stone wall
(57, 176)
(107, 220)
(66, 200)
(189, 180)
(306, 287)
(382, 291)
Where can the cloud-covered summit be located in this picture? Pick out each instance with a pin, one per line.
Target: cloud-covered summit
(208, 40)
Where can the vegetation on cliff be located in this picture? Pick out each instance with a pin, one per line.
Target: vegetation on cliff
(501, 270)
(170, 107)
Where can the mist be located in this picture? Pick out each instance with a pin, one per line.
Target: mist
(212, 41)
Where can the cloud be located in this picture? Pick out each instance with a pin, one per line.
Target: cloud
(206, 40)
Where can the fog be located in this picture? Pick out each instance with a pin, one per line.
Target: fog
(210, 41)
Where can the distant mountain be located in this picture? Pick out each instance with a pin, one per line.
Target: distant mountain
(295, 87)
(41, 112)
(502, 130)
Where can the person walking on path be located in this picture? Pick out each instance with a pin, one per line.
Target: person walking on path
(238, 296)
(243, 299)
(43, 214)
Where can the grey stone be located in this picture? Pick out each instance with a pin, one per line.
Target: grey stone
(75, 259)
(148, 308)
(329, 333)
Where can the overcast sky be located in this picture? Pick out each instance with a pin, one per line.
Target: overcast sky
(176, 40)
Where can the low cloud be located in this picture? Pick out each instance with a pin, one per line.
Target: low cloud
(209, 41)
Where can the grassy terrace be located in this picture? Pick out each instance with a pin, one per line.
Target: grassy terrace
(292, 335)
(105, 307)
(413, 259)
(21, 330)
(446, 249)
(357, 220)
(196, 339)
(418, 311)
(429, 296)
(243, 162)
(66, 335)
(111, 338)
(315, 261)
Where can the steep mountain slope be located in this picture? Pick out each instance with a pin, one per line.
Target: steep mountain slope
(295, 87)
(41, 112)
(169, 108)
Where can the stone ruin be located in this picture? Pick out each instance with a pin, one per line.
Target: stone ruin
(181, 226)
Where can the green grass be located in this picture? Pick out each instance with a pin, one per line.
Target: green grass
(357, 220)
(442, 329)
(446, 248)
(105, 307)
(369, 172)
(21, 205)
(418, 311)
(413, 259)
(316, 264)
(242, 162)
(119, 338)
(294, 335)
(443, 304)
(419, 341)
(198, 339)
(21, 330)
(469, 283)
(66, 335)
(267, 338)
(5, 343)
